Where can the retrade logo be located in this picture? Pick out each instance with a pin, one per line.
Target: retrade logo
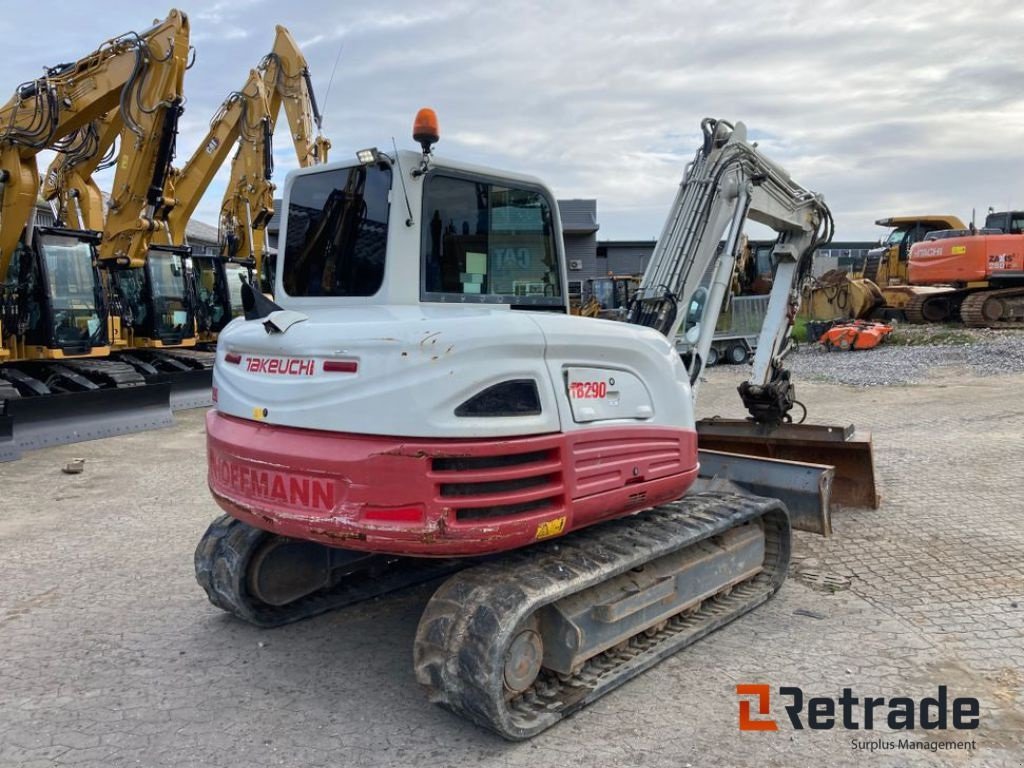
(851, 712)
(763, 698)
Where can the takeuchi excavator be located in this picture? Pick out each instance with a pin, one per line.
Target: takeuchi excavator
(404, 409)
(57, 381)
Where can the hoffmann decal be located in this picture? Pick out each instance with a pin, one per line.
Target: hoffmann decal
(851, 712)
(267, 485)
(280, 366)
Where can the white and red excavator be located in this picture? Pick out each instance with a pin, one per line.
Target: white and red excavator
(417, 400)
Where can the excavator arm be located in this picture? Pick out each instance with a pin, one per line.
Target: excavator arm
(68, 184)
(688, 279)
(248, 202)
(240, 117)
(140, 73)
(286, 75)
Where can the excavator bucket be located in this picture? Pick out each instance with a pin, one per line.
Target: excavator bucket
(839, 447)
(39, 422)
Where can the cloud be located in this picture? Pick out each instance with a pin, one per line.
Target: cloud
(884, 107)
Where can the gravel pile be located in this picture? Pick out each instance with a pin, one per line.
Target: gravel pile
(912, 356)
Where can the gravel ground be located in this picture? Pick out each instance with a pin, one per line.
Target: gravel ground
(913, 356)
(112, 657)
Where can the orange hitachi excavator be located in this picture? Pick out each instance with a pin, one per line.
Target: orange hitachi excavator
(981, 271)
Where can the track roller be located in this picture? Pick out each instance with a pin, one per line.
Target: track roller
(517, 643)
(994, 309)
(269, 580)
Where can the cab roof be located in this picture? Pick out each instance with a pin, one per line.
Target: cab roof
(944, 221)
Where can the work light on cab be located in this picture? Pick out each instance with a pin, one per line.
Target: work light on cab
(367, 156)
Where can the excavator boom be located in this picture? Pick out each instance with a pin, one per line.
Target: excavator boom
(248, 203)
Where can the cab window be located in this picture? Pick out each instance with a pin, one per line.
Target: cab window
(488, 242)
(337, 232)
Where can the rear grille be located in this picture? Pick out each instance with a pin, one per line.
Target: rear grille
(508, 510)
(464, 463)
(495, 486)
(500, 486)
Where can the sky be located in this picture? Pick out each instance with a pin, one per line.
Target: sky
(886, 108)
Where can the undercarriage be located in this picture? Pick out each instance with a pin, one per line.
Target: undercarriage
(519, 641)
(988, 308)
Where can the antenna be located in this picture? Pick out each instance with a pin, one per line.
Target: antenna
(408, 222)
(327, 94)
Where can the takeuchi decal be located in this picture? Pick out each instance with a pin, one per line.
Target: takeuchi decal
(280, 366)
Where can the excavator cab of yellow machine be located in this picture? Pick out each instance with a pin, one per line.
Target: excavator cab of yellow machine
(158, 298)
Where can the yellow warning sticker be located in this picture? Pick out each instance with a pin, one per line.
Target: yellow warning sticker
(259, 413)
(550, 528)
(958, 249)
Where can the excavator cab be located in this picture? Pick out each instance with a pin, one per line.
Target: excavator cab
(1007, 222)
(212, 286)
(59, 300)
(157, 299)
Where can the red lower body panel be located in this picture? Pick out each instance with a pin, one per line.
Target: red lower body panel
(440, 498)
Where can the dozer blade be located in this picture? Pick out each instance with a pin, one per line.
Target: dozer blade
(47, 420)
(8, 450)
(851, 454)
(805, 489)
(189, 389)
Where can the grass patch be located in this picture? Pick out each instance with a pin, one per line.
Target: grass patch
(927, 335)
(799, 332)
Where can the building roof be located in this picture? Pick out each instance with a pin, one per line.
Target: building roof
(199, 233)
(579, 217)
(626, 243)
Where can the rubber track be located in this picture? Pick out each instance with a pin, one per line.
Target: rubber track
(8, 392)
(196, 358)
(912, 310)
(107, 372)
(222, 558)
(468, 625)
(971, 314)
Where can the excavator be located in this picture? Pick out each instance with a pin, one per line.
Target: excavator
(153, 309)
(248, 203)
(57, 381)
(243, 119)
(973, 275)
(198, 288)
(888, 265)
(400, 411)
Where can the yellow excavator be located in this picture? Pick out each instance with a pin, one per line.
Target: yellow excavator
(205, 283)
(248, 203)
(241, 118)
(57, 381)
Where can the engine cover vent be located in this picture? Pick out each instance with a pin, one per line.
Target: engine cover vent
(517, 397)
